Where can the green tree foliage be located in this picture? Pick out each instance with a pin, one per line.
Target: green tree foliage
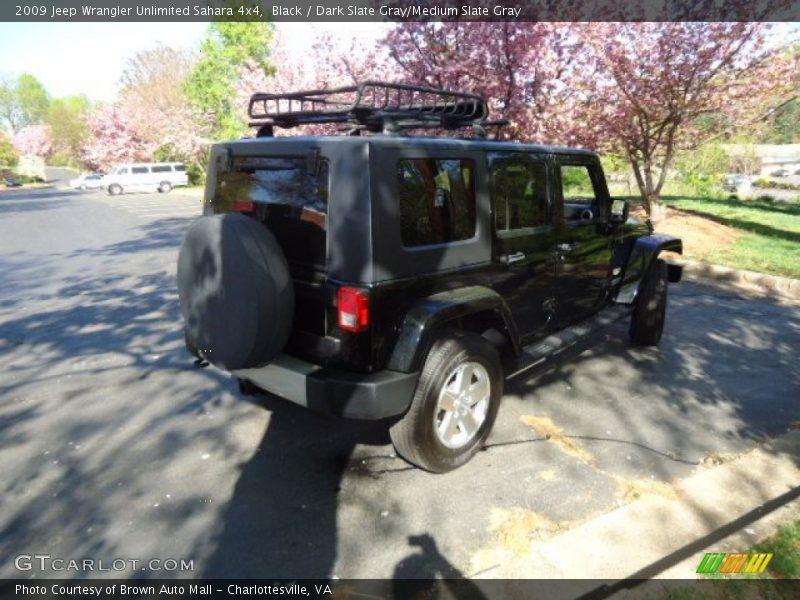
(703, 167)
(8, 105)
(68, 129)
(8, 154)
(23, 102)
(33, 99)
(785, 125)
(228, 48)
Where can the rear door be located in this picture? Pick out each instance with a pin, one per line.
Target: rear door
(291, 199)
(524, 238)
(583, 241)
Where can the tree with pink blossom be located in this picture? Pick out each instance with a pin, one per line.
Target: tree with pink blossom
(329, 63)
(34, 140)
(523, 70)
(638, 88)
(114, 138)
(152, 96)
(651, 82)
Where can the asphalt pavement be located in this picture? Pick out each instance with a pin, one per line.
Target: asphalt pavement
(114, 446)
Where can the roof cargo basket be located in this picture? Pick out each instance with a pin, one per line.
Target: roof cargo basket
(372, 105)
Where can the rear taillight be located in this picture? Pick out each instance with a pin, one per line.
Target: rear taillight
(244, 206)
(353, 307)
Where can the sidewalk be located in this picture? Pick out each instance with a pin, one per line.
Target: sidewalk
(724, 509)
(749, 282)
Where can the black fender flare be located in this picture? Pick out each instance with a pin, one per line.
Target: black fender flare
(645, 250)
(417, 330)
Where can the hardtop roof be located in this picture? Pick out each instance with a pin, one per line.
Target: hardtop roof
(416, 141)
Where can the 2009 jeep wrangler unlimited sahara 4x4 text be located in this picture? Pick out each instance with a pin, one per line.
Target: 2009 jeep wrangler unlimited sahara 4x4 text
(382, 276)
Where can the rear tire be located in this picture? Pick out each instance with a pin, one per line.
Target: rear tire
(164, 187)
(650, 309)
(454, 405)
(114, 189)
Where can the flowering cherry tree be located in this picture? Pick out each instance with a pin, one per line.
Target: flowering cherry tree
(652, 81)
(35, 140)
(523, 69)
(153, 97)
(329, 63)
(114, 138)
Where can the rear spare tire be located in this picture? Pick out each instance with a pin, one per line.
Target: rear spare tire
(236, 295)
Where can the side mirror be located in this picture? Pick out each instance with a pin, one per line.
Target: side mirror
(619, 211)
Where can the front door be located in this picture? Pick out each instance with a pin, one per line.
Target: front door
(524, 239)
(583, 246)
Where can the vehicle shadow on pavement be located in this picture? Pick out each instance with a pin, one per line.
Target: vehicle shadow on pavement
(282, 517)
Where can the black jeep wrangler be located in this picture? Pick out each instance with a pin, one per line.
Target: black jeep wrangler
(374, 275)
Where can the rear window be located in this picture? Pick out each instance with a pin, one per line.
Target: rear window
(290, 196)
(161, 169)
(180, 167)
(437, 200)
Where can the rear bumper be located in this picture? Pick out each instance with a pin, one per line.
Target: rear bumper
(330, 391)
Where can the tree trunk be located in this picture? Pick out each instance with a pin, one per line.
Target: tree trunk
(648, 189)
(658, 212)
(637, 172)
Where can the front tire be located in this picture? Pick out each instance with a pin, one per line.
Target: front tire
(650, 309)
(164, 187)
(114, 189)
(454, 405)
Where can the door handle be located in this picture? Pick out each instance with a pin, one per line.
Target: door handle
(512, 258)
(567, 248)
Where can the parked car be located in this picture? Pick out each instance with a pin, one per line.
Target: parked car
(87, 181)
(737, 183)
(384, 276)
(779, 173)
(12, 182)
(145, 177)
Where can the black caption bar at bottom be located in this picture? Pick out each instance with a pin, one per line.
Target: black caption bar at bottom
(376, 589)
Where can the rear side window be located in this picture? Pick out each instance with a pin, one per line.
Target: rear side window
(139, 170)
(287, 195)
(161, 169)
(519, 190)
(437, 200)
(180, 167)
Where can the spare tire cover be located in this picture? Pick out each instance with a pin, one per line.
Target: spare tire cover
(236, 294)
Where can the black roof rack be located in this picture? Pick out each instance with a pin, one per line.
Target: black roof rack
(372, 105)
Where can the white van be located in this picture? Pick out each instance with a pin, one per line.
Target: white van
(145, 177)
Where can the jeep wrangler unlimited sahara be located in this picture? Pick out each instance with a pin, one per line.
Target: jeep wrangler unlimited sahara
(379, 276)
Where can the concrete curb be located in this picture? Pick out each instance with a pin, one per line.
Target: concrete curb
(748, 281)
(725, 508)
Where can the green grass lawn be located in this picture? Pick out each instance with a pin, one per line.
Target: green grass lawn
(785, 545)
(770, 585)
(771, 232)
